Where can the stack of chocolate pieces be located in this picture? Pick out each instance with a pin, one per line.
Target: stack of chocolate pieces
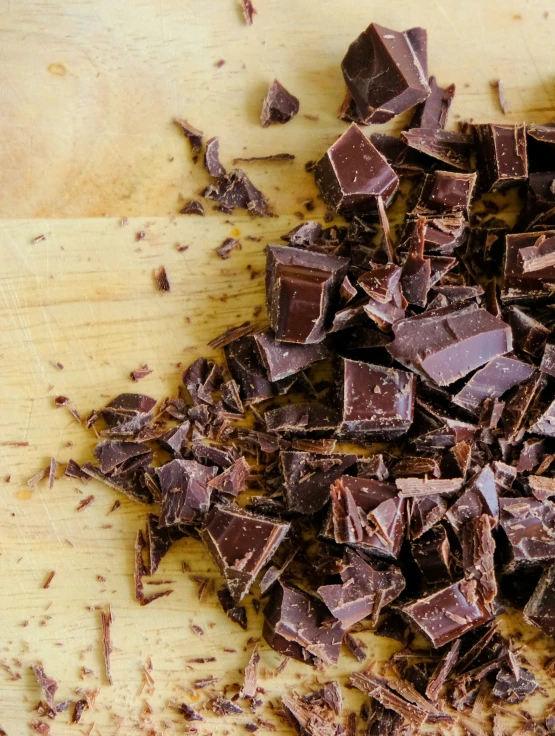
(437, 347)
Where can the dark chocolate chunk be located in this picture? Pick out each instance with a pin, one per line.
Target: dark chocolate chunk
(233, 479)
(192, 208)
(445, 193)
(401, 158)
(301, 290)
(279, 105)
(128, 413)
(441, 235)
(245, 366)
(308, 233)
(237, 614)
(352, 174)
(480, 497)
(528, 526)
(548, 360)
(376, 402)
(187, 711)
(236, 190)
(372, 467)
(193, 135)
(446, 344)
(47, 684)
(307, 716)
(185, 492)
(478, 548)
(173, 439)
(302, 419)
(442, 671)
(426, 511)
(492, 381)
(284, 359)
(539, 611)
(231, 398)
(161, 278)
(112, 454)
(364, 587)
(501, 153)
(212, 158)
(446, 146)
(514, 688)
(432, 554)
(227, 247)
(520, 282)
(448, 613)
(432, 113)
(159, 539)
(529, 334)
(300, 626)
(385, 72)
(241, 544)
(515, 414)
(307, 478)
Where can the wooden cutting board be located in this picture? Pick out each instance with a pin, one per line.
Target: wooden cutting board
(89, 91)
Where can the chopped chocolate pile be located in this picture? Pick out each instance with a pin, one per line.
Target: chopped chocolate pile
(435, 341)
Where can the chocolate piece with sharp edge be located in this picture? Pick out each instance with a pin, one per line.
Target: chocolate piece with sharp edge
(417, 270)
(185, 492)
(352, 174)
(501, 153)
(548, 360)
(284, 359)
(432, 113)
(528, 526)
(441, 235)
(364, 586)
(307, 478)
(529, 334)
(448, 613)
(446, 146)
(241, 543)
(492, 381)
(376, 402)
(128, 413)
(432, 553)
(279, 105)
(212, 158)
(446, 344)
(478, 548)
(237, 190)
(302, 288)
(233, 479)
(520, 285)
(159, 539)
(112, 454)
(446, 192)
(385, 72)
(426, 511)
(302, 419)
(243, 361)
(300, 626)
(540, 611)
(545, 423)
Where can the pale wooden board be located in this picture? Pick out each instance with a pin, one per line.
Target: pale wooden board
(89, 89)
(85, 297)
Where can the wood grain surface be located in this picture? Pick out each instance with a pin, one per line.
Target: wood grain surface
(88, 93)
(89, 88)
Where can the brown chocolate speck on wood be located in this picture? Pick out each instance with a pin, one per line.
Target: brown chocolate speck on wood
(248, 11)
(193, 135)
(271, 157)
(48, 685)
(139, 373)
(225, 249)
(49, 579)
(106, 619)
(161, 279)
(85, 502)
(229, 336)
(194, 207)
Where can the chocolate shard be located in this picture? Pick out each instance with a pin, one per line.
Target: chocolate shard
(441, 234)
(432, 113)
(442, 671)
(376, 402)
(241, 543)
(237, 614)
(212, 158)
(448, 613)
(307, 716)
(279, 105)
(244, 364)
(501, 154)
(173, 439)
(227, 247)
(425, 513)
(514, 688)
(446, 193)
(331, 694)
(417, 270)
(542, 487)
(520, 285)
(237, 190)
(527, 524)
(531, 454)
(231, 398)
(112, 454)
(300, 626)
(539, 610)
(302, 419)
(284, 359)
(381, 512)
(128, 413)
(401, 158)
(372, 467)
(517, 408)
(364, 587)
(385, 72)
(305, 234)
(480, 497)
(193, 135)
(307, 478)
(302, 289)
(347, 524)
(529, 334)
(492, 381)
(418, 487)
(446, 344)
(545, 423)
(159, 539)
(185, 492)
(193, 207)
(432, 553)
(446, 146)
(47, 684)
(548, 360)
(353, 174)
(478, 548)
(233, 480)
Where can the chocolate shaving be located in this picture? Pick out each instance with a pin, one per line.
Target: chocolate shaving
(106, 620)
(226, 248)
(251, 673)
(161, 278)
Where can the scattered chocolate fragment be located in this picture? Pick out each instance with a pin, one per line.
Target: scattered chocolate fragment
(514, 688)
(80, 707)
(501, 152)
(432, 113)
(251, 675)
(271, 157)
(442, 671)
(307, 478)
(352, 174)
(492, 381)
(48, 685)
(241, 543)
(279, 105)
(385, 72)
(446, 146)
(193, 135)
(225, 249)
(233, 479)
(185, 493)
(161, 278)
(248, 11)
(106, 622)
(432, 553)
(193, 207)
(140, 373)
(235, 189)
(500, 87)
(237, 614)
(539, 609)
(187, 711)
(212, 158)
(284, 359)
